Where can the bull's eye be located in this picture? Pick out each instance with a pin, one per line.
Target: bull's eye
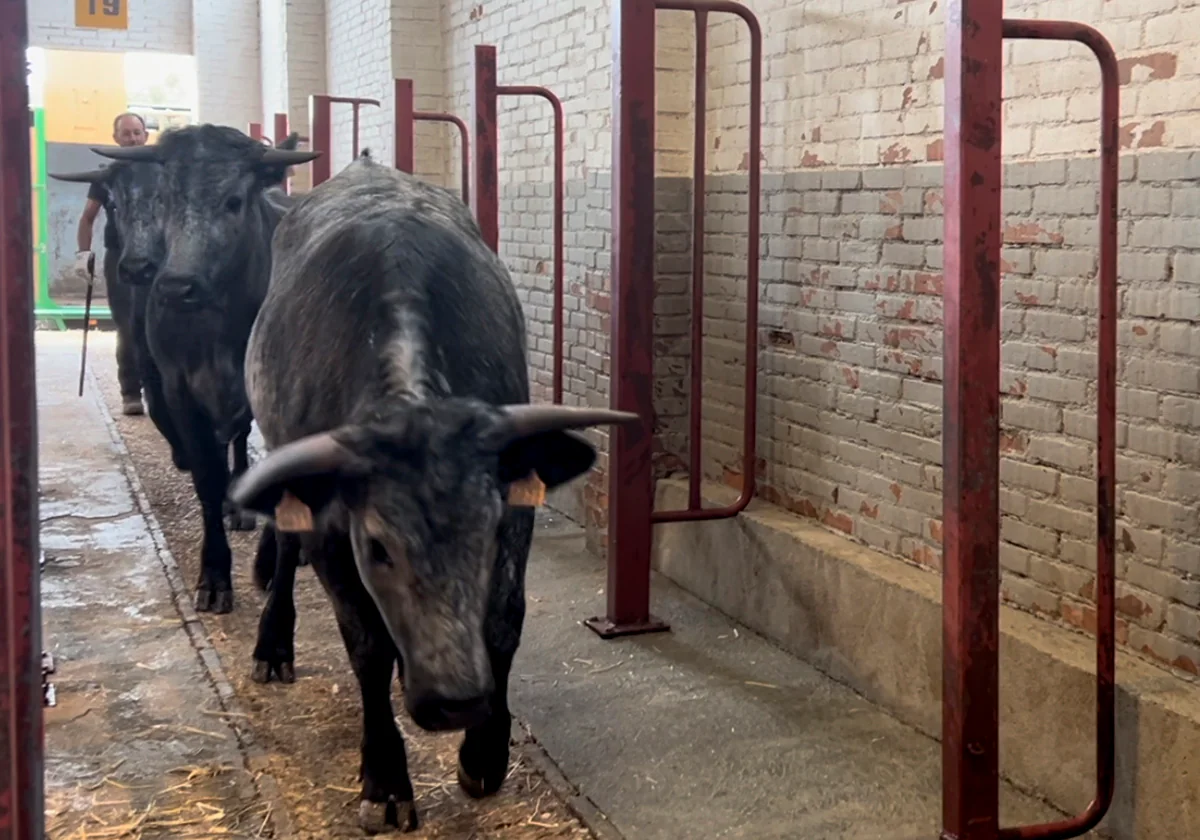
(379, 554)
(233, 204)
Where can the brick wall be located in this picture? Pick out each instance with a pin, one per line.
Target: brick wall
(274, 54)
(850, 331)
(161, 26)
(225, 42)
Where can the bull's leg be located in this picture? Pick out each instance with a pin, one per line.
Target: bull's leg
(152, 383)
(120, 302)
(483, 756)
(236, 518)
(210, 477)
(387, 793)
(275, 571)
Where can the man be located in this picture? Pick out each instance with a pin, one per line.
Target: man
(129, 129)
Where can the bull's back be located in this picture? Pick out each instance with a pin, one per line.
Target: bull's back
(370, 265)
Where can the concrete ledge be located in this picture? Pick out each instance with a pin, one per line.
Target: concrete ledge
(875, 623)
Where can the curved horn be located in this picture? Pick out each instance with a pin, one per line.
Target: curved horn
(309, 456)
(286, 157)
(93, 177)
(135, 153)
(525, 420)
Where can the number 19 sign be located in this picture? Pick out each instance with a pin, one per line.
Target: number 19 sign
(102, 14)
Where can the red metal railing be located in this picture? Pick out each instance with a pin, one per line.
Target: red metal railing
(970, 718)
(631, 481)
(21, 738)
(407, 116)
(320, 116)
(487, 178)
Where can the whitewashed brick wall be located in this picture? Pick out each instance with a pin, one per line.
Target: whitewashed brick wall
(225, 42)
(156, 25)
(417, 54)
(359, 63)
(274, 53)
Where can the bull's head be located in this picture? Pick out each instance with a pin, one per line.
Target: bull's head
(136, 208)
(212, 179)
(422, 493)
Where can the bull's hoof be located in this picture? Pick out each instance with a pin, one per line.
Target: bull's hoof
(378, 817)
(132, 406)
(240, 520)
(264, 671)
(214, 600)
(475, 788)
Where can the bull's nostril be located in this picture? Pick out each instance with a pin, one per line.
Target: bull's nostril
(173, 287)
(441, 714)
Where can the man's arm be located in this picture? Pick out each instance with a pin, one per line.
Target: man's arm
(83, 236)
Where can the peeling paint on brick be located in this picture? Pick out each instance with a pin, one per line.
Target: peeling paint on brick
(895, 153)
(935, 150)
(1161, 65)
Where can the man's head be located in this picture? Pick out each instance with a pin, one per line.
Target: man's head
(129, 129)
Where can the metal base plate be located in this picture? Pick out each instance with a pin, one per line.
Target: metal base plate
(606, 629)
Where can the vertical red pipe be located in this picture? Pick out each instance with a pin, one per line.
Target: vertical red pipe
(21, 735)
(485, 198)
(559, 258)
(256, 132)
(282, 130)
(354, 129)
(631, 480)
(1106, 429)
(404, 125)
(698, 201)
(971, 427)
(320, 129)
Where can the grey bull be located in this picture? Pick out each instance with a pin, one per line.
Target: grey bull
(387, 370)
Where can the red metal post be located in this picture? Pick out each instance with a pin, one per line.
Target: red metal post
(21, 735)
(465, 141)
(631, 445)
(1106, 428)
(485, 198)
(559, 217)
(256, 131)
(404, 125)
(694, 513)
(971, 422)
(320, 129)
(282, 129)
(696, 362)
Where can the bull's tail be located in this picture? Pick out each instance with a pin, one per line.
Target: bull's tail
(265, 558)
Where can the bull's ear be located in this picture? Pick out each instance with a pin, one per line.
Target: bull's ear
(558, 457)
(310, 471)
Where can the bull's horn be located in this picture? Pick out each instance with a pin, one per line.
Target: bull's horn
(526, 420)
(93, 177)
(134, 153)
(287, 157)
(310, 456)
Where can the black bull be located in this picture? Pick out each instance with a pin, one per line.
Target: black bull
(217, 201)
(387, 370)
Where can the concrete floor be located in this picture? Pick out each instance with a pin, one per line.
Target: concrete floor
(138, 734)
(709, 731)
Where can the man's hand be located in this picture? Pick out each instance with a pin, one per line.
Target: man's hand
(82, 258)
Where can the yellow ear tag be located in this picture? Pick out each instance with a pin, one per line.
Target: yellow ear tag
(291, 514)
(528, 492)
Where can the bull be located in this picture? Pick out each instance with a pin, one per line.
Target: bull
(221, 199)
(387, 371)
(135, 210)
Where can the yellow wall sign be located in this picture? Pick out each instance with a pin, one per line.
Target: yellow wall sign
(102, 14)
